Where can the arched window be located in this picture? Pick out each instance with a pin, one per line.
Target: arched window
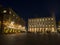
(52, 29)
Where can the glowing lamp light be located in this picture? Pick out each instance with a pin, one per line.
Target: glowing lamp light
(12, 23)
(4, 11)
(20, 26)
(58, 26)
(52, 29)
(10, 27)
(23, 27)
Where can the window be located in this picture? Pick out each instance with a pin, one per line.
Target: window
(32, 20)
(13, 15)
(37, 20)
(40, 28)
(52, 25)
(23, 28)
(45, 18)
(35, 29)
(40, 19)
(46, 28)
(43, 28)
(49, 25)
(29, 25)
(46, 25)
(58, 26)
(20, 26)
(29, 20)
(48, 18)
(10, 12)
(39, 23)
(6, 30)
(51, 18)
(43, 25)
(4, 11)
(51, 22)
(52, 29)
(13, 30)
(18, 31)
(30, 29)
(34, 25)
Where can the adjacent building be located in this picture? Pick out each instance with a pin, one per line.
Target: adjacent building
(58, 26)
(43, 24)
(10, 22)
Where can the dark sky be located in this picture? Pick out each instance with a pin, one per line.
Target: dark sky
(33, 8)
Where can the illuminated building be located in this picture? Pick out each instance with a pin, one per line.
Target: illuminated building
(42, 25)
(58, 26)
(10, 22)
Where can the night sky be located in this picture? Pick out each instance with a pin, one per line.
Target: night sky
(33, 8)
